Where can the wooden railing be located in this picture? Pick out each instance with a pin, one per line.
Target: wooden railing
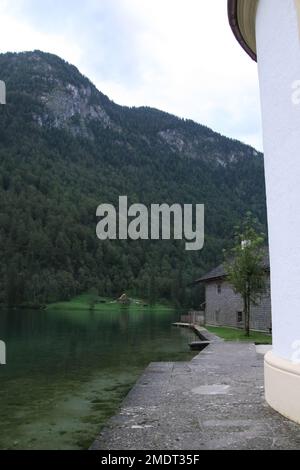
(193, 317)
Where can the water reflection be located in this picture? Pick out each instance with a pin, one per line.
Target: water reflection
(67, 372)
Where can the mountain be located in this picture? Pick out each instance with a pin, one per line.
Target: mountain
(65, 148)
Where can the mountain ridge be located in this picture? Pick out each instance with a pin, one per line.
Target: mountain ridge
(67, 99)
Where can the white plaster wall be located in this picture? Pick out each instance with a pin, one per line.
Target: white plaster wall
(278, 49)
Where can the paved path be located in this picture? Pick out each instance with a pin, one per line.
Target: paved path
(216, 401)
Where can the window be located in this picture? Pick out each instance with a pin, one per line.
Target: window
(219, 288)
(239, 317)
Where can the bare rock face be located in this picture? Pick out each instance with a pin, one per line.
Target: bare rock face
(55, 95)
(70, 107)
(173, 138)
(66, 103)
(67, 100)
(195, 147)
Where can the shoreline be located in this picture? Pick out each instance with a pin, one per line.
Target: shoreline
(82, 302)
(214, 401)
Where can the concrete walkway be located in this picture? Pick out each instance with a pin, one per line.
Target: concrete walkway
(216, 401)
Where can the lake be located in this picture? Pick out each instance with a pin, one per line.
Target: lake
(68, 371)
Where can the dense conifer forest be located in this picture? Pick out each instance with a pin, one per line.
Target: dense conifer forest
(65, 148)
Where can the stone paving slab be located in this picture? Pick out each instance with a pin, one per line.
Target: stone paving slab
(216, 401)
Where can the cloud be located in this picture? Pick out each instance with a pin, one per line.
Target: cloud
(175, 55)
(17, 34)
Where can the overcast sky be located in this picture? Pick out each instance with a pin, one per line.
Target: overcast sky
(176, 55)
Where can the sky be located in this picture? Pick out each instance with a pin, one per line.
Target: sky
(179, 56)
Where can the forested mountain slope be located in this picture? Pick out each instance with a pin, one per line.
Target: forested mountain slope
(65, 148)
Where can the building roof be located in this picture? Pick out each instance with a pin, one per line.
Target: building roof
(242, 15)
(216, 273)
(219, 272)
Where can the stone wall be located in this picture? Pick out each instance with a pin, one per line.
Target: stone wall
(225, 308)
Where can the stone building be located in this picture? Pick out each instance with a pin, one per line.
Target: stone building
(224, 307)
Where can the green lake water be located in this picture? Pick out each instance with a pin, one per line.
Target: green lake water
(68, 371)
